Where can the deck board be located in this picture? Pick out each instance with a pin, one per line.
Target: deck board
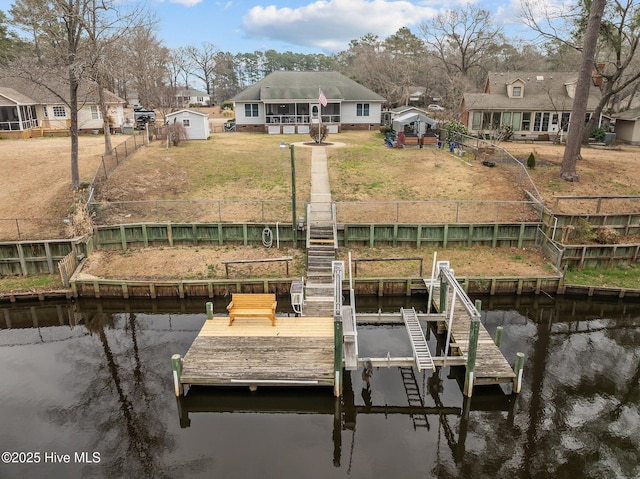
(251, 349)
(491, 365)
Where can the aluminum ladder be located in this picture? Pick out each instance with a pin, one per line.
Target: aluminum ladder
(421, 352)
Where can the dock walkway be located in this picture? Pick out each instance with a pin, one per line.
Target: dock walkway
(491, 366)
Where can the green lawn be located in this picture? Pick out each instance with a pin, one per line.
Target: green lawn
(627, 277)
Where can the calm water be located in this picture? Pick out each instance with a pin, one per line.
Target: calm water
(92, 380)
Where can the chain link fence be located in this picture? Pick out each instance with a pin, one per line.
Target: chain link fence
(192, 211)
(494, 155)
(22, 229)
(439, 211)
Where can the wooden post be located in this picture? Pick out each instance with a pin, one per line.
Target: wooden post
(498, 340)
(294, 219)
(474, 331)
(176, 365)
(443, 295)
(338, 357)
(478, 304)
(517, 382)
(209, 310)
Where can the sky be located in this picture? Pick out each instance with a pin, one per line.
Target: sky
(302, 26)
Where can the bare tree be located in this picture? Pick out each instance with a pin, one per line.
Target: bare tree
(148, 61)
(203, 61)
(106, 24)
(574, 138)
(462, 39)
(57, 31)
(369, 63)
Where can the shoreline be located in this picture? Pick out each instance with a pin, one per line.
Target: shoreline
(403, 286)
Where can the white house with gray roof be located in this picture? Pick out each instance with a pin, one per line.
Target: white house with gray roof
(28, 109)
(288, 102)
(534, 104)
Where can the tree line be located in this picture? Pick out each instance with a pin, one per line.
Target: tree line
(113, 44)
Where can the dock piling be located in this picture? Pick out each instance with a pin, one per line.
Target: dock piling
(209, 310)
(474, 333)
(498, 340)
(176, 365)
(338, 357)
(517, 382)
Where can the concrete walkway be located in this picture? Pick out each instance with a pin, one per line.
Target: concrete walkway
(320, 251)
(320, 187)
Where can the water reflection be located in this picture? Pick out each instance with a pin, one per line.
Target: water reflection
(95, 376)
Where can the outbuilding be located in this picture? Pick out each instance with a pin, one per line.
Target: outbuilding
(627, 127)
(195, 123)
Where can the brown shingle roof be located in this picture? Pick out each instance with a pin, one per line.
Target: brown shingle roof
(542, 91)
(87, 93)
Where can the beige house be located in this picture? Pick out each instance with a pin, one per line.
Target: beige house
(289, 102)
(627, 127)
(29, 110)
(537, 105)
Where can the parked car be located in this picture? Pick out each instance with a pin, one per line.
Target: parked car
(435, 107)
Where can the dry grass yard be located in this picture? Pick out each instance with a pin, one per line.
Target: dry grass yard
(243, 166)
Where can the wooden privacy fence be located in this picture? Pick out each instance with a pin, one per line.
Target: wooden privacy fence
(66, 267)
(599, 256)
(123, 237)
(624, 224)
(39, 257)
(511, 235)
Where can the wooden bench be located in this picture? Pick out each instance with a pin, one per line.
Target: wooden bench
(262, 305)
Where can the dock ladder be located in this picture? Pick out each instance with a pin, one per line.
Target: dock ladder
(421, 352)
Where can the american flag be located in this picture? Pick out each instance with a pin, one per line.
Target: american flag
(322, 99)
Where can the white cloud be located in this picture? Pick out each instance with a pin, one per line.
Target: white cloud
(332, 24)
(186, 3)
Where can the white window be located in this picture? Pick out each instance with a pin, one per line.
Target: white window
(59, 112)
(186, 122)
(95, 113)
(251, 109)
(362, 109)
(45, 112)
(517, 91)
(477, 120)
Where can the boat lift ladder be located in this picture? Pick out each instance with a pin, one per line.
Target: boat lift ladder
(421, 352)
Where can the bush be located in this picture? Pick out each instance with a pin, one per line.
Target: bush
(583, 232)
(454, 129)
(385, 129)
(606, 235)
(227, 105)
(531, 161)
(318, 133)
(598, 135)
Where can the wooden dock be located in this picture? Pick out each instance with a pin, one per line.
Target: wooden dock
(297, 351)
(491, 367)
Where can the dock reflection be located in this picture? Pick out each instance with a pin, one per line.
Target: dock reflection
(345, 410)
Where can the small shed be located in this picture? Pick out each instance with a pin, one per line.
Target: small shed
(195, 123)
(627, 127)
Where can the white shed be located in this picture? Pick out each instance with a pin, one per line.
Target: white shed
(196, 124)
